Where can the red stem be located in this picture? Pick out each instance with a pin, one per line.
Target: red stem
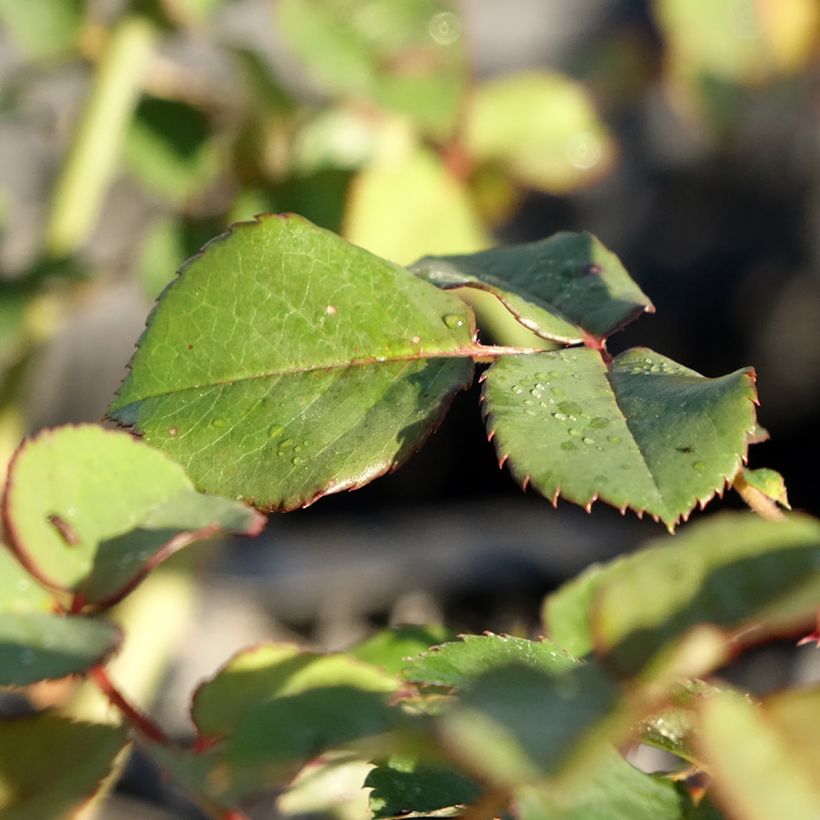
(141, 722)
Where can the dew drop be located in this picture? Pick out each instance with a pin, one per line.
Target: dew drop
(275, 431)
(453, 320)
(528, 401)
(218, 422)
(286, 444)
(613, 439)
(599, 422)
(517, 389)
(569, 445)
(557, 391)
(555, 374)
(570, 408)
(699, 465)
(559, 416)
(536, 393)
(574, 432)
(296, 461)
(588, 440)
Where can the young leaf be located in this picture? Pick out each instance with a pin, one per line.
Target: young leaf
(568, 287)
(641, 432)
(392, 649)
(268, 671)
(757, 772)
(458, 663)
(90, 511)
(49, 766)
(748, 577)
(404, 784)
(770, 483)
(37, 646)
(269, 375)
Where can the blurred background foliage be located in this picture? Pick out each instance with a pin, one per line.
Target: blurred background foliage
(684, 133)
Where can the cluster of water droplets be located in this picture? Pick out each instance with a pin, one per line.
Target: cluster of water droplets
(287, 447)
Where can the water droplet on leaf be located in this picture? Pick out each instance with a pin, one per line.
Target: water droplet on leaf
(570, 407)
(569, 445)
(275, 431)
(453, 320)
(599, 422)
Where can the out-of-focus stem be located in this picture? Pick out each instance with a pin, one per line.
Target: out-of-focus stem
(92, 158)
(756, 500)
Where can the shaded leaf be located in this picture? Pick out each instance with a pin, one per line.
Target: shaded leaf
(43, 28)
(567, 288)
(266, 373)
(757, 772)
(268, 671)
(541, 127)
(403, 784)
(37, 646)
(748, 577)
(405, 55)
(613, 791)
(770, 483)
(91, 511)
(460, 662)
(50, 765)
(641, 432)
(392, 649)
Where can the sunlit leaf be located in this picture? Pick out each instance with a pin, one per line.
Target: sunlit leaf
(392, 649)
(568, 287)
(770, 483)
(90, 511)
(49, 766)
(267, 375)
(542, 127)
(641, 432)
(43, 28)
(19, 590)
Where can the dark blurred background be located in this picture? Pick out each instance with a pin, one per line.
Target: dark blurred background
(685, 134)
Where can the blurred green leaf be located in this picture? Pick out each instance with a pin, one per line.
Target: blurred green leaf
(748, 577)
(542, 128)
(37, 646)
(43, 28)
(268, 376)
(19, 591)
(404, 55)
(170, 149)
(403, 784)
(458, 663)
(391, 649)
(640, 431)
(565, 288)
(770, 483)
(50, 766)
(91, 510)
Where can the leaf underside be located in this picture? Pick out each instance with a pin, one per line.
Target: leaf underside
(642, 432)
(567, 288)
(284, 364)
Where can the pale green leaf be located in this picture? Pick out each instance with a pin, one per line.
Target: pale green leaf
(49, 766)
(43, 28)
(392, 649)
(284, 364)
(542, 127)
(19, 590)
(641, 432)
(90, 510)
(567, 288)
(770, 483)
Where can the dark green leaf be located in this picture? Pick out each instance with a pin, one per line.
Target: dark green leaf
(91, 511)
(457, 664)
(269, 376)
(37, 646)
(404, 785)
(567, 288)
(748, 577)
(641, 432)
(49, 766)
(392, 649)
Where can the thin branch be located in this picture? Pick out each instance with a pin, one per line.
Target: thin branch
(756, 500)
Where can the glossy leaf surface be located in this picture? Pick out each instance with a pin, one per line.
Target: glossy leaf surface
(284, 364)
(567, 287)
(91, 510)
(642, 432)
(49, 765)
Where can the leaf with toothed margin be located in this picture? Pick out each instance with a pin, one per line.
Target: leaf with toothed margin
(770, 483)
(642, 432)
(284, 364)
(91, 511)
(568, 288)
(748, 578)
(50, 766)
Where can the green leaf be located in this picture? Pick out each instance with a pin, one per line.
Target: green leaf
(43, 28)
(748, 577)
(757, 772)
(391, 649)
(641, 432)
(567, 288)
(434, 212)
(542, 128)
(457, 664)
(37, 646)
(268, 375)
(90, 511)
(259, 674)
(615, 791)
(170, 149)
(403, 784)
(770, 483)
(795, 714)
(518, 723)
(49, 766)
(405, 55)
(19, 590)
